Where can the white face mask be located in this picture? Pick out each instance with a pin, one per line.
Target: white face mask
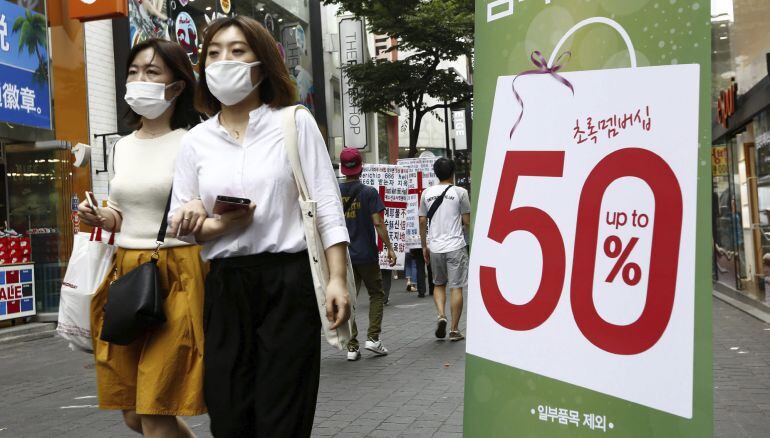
(230, 81)
(148, 99)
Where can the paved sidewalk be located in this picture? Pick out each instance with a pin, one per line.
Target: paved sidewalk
(417, 390)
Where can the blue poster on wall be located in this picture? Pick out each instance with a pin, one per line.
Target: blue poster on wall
(25, 97)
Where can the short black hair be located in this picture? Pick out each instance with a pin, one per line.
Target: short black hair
(444, 168)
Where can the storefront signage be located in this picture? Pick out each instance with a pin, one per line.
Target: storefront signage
(24, 90)
(90, 10)
(589, 276)
(726, 104)
(461, 136)
(352, 52)
(17, 291)
(719, 161)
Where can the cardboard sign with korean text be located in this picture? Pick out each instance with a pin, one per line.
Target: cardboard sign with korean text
(392, 182)
(422, 176)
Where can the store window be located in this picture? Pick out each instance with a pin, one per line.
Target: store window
(184, 21)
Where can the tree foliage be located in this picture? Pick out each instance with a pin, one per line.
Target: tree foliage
(427, 33)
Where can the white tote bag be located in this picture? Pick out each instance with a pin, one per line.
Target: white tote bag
(88, 266)
(318, 265)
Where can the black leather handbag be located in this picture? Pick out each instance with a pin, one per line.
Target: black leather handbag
(135, 300)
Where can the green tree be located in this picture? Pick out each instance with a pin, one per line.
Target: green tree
(32, 30)
(427, 32)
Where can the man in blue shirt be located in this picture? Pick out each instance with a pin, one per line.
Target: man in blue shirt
(363, 207)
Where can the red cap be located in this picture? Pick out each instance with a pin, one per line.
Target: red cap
(351, 162)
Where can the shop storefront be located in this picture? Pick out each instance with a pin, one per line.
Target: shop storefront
(289, 21)
(41, 55)
(741, 148)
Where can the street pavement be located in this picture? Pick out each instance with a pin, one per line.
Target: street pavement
(415, 391)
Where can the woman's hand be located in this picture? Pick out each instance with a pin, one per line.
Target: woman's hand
(189, 218)
(337, 302)
(89, 217)
(225, 223)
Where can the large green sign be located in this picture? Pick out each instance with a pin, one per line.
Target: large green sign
(590, 289)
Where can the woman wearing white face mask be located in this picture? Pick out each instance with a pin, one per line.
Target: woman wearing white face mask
(262, 325)
(160, 375)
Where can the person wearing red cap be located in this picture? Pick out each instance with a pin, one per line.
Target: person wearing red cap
(362, 207)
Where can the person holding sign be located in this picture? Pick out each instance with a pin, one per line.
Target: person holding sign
(362, 207)
(445, 214)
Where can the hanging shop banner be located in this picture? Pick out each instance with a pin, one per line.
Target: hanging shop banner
(25, 97)
(421, 177)
(590, 287)
(719, 161)
(352, 42)
(461, 134)
(17, 290)
(392, 182)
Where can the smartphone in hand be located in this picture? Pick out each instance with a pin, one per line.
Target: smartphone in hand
(91, 200)
(224, 204)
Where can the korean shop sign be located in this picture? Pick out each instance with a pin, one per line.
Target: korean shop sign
(352, 42)
(24, 90)
(589, 281)
(89, 10)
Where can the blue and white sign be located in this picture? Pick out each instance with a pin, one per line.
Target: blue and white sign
(25, 97)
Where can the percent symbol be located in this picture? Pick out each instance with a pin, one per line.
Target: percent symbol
(613, 248)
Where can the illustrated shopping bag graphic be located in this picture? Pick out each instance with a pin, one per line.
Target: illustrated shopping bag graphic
(583, 262)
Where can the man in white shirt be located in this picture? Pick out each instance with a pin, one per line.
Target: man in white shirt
(445, 213)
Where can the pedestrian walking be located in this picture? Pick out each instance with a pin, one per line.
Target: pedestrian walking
(159, 376)
(444, 214)
(262, 362)
(410, 272)
(362, 207)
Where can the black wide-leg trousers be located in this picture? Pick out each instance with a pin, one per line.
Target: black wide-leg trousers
(262, 346)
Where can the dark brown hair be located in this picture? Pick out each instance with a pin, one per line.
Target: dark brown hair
(175, 58)
(276, 90)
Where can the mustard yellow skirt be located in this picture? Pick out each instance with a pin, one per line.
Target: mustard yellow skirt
(161, 373)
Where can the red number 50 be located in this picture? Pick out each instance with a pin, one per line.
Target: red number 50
(634, 338)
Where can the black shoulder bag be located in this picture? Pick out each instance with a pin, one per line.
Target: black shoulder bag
(135, 300)
(437, 203)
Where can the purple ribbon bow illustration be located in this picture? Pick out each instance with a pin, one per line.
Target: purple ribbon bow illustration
(542, 69)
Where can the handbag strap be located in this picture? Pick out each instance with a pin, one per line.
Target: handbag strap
(292, 151)
(437, 203)
(163, 227)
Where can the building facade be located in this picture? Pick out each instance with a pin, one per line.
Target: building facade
(741, 147)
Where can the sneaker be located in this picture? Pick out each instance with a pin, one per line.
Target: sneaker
(376, 347)
(441, 328)
(353, 354)
(456, 335)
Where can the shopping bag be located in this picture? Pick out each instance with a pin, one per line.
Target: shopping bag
(88, 266)
(583, 263)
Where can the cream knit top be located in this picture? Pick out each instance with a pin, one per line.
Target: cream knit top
(142, 173)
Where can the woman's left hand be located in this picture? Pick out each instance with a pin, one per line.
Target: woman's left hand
(189, 218)
(337, 302)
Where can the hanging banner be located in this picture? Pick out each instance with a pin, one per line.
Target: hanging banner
(352, 42)
(25, 97)
(460, 132)
(392, 182)
(590, 288)
(421, 176)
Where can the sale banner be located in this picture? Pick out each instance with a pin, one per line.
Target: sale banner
(589, 285)
(422, 176)
(392, 182)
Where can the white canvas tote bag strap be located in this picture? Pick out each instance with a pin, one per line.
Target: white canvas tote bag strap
(292, 150)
